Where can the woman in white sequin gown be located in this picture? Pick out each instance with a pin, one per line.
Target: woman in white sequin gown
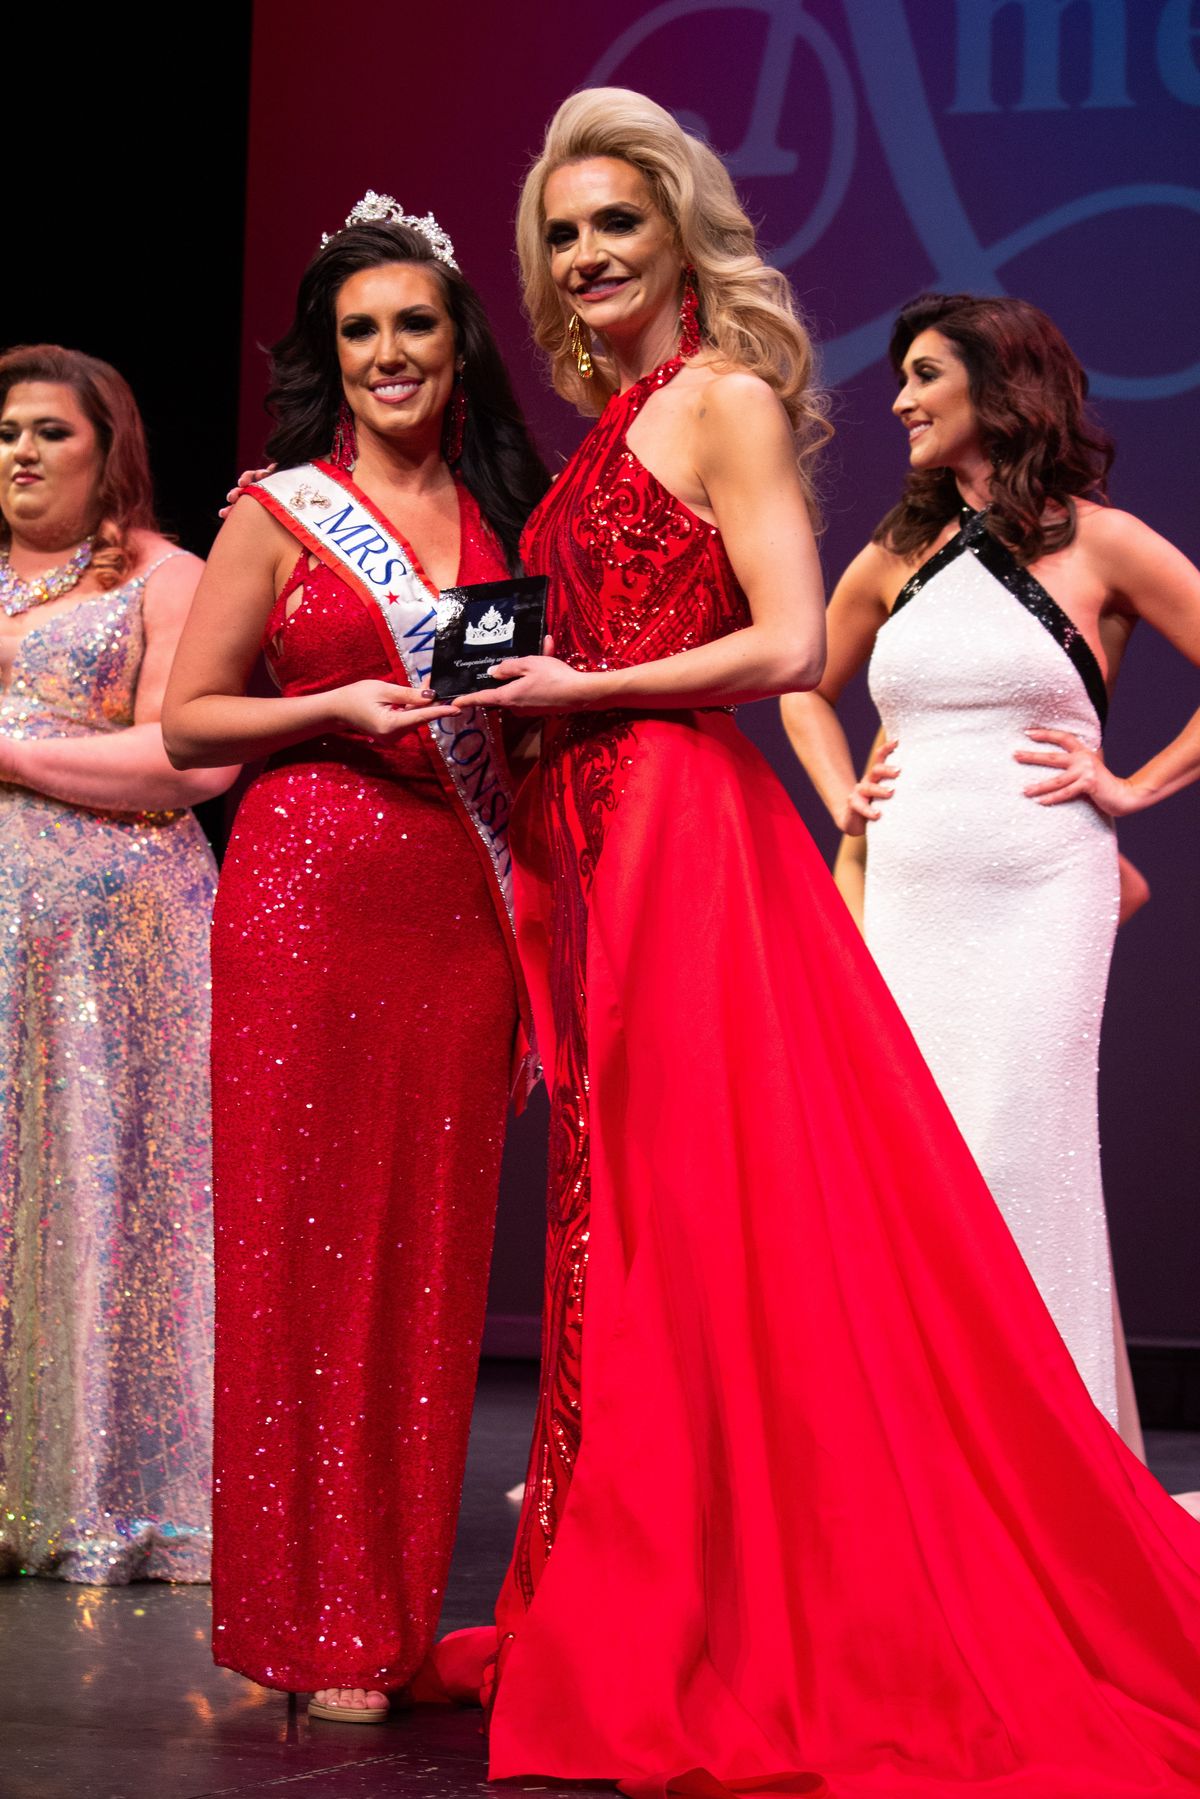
(106, 886)
(994, 604)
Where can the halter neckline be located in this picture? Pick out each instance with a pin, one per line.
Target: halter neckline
(649, 383)
(992, 553)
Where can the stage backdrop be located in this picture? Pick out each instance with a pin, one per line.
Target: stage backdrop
(1034, 147)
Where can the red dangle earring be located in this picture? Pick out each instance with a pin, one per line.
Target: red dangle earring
(344, 453)
(689, 316)
(456, 419)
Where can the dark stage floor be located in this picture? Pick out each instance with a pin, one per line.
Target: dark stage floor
(109, 1693)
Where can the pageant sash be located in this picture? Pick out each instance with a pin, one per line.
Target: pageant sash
(323, 509)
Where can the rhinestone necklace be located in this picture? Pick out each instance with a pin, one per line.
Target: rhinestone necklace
(18, 596)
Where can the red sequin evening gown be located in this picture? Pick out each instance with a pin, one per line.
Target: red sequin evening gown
(817, 1501)
(363, 1019)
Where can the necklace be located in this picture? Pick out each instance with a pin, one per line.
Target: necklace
(18, 596)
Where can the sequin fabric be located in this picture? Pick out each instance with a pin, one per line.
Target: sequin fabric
(364, 1017)
(992, 918)
(843, 1518)
(634, 576)
(105, 1195)
(607, 532)
(975, 537)
(584, 769)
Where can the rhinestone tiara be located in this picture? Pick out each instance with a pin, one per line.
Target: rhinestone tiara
(381, 209)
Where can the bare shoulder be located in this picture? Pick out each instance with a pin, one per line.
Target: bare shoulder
(1128, 554)
(1108, 529)
(875, 576)
(150, 547)
(251, 534)
(740, 422)
(174, 574)
(731, 395)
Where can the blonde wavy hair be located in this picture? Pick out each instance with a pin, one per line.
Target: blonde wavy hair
(748, 313)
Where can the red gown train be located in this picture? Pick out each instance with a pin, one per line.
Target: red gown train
(363, 1018)
(817, 1500)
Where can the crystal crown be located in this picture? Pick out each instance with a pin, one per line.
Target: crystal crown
(381, 209)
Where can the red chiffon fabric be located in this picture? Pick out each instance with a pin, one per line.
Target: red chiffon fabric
(836, 1513)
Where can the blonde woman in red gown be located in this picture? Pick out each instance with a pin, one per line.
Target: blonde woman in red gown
(364, 996)
(817, 1501)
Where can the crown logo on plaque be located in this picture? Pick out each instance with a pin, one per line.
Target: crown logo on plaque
(493, 627)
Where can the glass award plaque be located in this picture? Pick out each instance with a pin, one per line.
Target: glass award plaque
(481, 625)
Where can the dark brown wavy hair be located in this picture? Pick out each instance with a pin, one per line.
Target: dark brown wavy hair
(125, 496)
(1029, 392)
(499, 465)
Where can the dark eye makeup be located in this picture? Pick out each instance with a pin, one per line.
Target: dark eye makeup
(619, 219)
(616, 219)
(407, 321)
(48, 428)
(920, 371)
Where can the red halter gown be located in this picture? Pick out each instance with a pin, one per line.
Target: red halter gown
(817, 1502)
(363, 1020)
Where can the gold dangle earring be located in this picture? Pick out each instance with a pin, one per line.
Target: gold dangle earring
(580, 350)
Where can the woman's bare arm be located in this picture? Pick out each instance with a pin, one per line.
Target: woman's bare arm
(1159, 584)
(208, 718)
(1134, 890)
(126, 770)
(857, 611)
(850, 865)
(747, 462)
(850, 875)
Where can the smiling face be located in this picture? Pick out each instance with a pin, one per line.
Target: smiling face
(613, 255)
(934, 406)
(51, 462)
(396, 351)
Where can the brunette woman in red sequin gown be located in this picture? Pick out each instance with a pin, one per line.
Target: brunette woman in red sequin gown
(817, 1502)
(365, 1001)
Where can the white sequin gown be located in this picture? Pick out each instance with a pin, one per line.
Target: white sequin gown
(992, 918)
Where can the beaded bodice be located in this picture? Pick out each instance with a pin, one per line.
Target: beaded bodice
(634, 574)
(75, 671)
(320, 635)
(975, 541)
(975, 653)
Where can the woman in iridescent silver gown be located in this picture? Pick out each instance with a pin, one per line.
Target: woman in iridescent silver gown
(106, 885)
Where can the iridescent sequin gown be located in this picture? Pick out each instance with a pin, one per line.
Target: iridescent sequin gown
(992, 918)
(364, 1016)
(105, 1195)
(818, 1501)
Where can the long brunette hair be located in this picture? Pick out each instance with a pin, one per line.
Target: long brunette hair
(500, 464)
(1029, 392)
(124, 500)
(747, 310)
